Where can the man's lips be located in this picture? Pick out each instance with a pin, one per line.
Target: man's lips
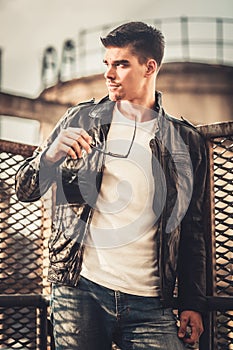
(112, 86)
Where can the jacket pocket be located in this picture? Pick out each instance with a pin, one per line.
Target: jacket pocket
(180, 188)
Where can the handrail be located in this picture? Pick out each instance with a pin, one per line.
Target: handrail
(22, 300)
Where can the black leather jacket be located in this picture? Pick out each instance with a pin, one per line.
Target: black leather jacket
(178, 200)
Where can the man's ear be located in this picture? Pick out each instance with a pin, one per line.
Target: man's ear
(151, 67)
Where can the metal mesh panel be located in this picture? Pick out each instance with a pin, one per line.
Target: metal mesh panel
(224, 330)
(19, 329)
(25, 229)
(223, 196)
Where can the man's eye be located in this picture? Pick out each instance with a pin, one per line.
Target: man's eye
(122, 65)
(117, 64)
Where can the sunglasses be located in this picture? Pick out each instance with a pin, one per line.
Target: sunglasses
(117, 155)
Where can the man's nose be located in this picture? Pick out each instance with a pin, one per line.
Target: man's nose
(110, 72)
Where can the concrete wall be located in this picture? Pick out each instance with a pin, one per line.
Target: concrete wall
(200, 92)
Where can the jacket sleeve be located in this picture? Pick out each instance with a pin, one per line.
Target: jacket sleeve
(192, 248)
(34, 177)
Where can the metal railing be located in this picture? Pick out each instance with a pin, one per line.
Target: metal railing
(219, 220)
(25, 228)
(189, 39)
(21, 331)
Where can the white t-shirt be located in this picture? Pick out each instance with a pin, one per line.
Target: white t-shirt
(120, 251)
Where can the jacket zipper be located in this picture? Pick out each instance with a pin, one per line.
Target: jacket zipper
(160, 240)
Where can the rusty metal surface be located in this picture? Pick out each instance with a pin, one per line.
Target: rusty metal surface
(37, 109)
(216, 129)
(16, 148)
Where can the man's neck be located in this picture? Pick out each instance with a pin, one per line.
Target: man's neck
(132, 111)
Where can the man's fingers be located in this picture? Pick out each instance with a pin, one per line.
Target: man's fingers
(78, 140)
(70, 141)
(193, 337)
(72, 153)
(190, 320)
(86, 136)
(183, 327)
(77, 133)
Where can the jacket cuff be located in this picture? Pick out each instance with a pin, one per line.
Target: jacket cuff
(198, 304)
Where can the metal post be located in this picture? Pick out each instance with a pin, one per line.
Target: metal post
(67, 69)
(219, 40)
(184, 37)
(0, 69)
(43, 336)
(49, 67)
(82, 55)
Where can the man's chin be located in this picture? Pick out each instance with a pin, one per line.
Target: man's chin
(114, 97)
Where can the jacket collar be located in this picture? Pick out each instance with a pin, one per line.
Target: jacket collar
(103, 110)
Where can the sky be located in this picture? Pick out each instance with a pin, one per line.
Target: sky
(27, 27)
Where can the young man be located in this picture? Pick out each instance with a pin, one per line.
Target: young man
(130, 182)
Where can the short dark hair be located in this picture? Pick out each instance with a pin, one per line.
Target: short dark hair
(146, 41)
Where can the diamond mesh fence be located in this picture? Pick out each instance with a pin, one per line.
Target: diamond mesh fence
(223, 197)
(25, 229)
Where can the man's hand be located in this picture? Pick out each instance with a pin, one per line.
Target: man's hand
(193, 320)
(70, 141)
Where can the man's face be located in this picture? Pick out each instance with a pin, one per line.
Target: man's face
(125, 76)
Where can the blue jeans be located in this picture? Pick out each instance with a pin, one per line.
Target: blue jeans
(91, 317)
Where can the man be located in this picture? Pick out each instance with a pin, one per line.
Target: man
(130, 182)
